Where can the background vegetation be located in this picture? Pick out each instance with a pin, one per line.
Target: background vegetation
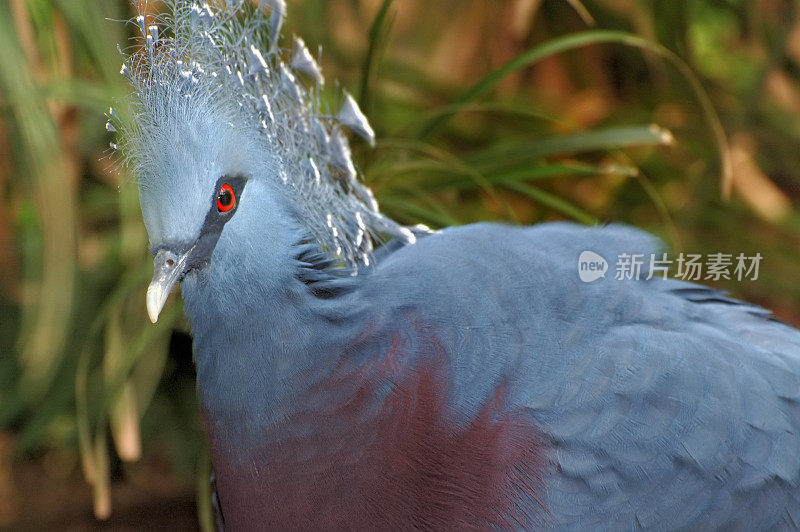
(516, 110)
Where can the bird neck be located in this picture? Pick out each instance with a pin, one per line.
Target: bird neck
(263, 340)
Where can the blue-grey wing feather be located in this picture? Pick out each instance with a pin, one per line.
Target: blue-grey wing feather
(667, 404)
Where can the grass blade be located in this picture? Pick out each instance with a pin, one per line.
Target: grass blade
(533, 173)
(525, 151)
(582, 12)
(48, 156)
(376, 31)
(577, 40)
(552, 201)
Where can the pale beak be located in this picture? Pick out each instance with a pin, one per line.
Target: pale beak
(169, 270)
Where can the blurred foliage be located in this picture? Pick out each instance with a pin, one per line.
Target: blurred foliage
(516, 110)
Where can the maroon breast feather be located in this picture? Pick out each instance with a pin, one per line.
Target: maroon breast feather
(359, 458)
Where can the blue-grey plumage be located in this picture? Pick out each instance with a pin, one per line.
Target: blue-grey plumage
(663, 404)
(460, 379)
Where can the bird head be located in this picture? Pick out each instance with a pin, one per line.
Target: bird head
(227, 127)
(193, 185)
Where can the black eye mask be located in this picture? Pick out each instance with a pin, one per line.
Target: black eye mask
(223, 205)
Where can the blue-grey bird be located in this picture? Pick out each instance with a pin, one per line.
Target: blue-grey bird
(452, 380)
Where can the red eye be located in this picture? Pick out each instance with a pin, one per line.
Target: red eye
(226, 199)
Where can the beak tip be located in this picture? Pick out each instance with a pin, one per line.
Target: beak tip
(156, 298)
(168, 268)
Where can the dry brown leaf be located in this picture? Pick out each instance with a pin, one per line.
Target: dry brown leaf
(783, 90)
(793, 41)
(8, 502)
(752, 185)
